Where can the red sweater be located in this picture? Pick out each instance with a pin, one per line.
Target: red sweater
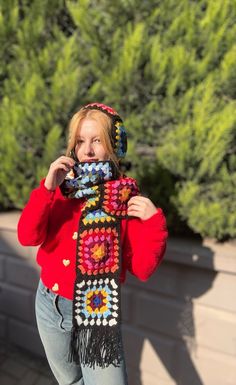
(51, 220)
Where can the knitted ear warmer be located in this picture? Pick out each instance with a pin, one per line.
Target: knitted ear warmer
(119, 136)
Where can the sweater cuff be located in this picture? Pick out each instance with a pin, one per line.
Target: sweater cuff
(47, 193)
(155, 219)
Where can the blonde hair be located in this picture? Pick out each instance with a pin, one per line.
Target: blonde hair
(105, 124)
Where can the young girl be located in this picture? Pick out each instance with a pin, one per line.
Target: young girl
(92, 226)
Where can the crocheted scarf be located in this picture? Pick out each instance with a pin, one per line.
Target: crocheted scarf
(96, 333)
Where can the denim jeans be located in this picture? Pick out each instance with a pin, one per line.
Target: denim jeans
(54, 320)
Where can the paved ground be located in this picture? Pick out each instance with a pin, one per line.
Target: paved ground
(19, 367)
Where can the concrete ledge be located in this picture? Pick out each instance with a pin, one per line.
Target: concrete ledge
(206, 254)
(179, 326)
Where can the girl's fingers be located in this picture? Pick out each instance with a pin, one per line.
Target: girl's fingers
(136, 206)
(140, 198)
(134, 210)
(63, 167)
(64, 160)
(137, 200)
(141, 207)
(135, 214)
(59, 164)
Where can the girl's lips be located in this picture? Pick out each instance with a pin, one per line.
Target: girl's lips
(90, 160)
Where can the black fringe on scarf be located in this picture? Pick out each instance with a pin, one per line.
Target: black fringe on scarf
(91, 347)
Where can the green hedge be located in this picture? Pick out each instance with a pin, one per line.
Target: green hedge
(169, 69)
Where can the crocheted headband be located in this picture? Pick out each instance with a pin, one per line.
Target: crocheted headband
(118, 132)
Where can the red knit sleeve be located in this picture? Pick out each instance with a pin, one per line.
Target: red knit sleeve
(145, 244)
(32, 225)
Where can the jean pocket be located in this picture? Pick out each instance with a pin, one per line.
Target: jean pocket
(41, 288)
(64, 306)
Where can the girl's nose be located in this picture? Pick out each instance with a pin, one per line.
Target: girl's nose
(88, 150)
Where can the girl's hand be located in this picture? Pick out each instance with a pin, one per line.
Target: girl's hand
(57, 172)
(141, 207)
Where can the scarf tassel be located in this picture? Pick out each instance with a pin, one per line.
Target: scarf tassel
(91, 347)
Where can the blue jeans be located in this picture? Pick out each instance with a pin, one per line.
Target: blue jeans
(54, 320)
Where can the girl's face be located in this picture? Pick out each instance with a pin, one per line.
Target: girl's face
(89, 146)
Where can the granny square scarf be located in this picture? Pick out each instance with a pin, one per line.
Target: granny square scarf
(96, 333)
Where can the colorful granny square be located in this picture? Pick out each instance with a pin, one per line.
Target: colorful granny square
(98, 251)
(97, 302)
(116, 196)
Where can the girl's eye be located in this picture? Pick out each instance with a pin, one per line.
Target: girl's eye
(97, 140)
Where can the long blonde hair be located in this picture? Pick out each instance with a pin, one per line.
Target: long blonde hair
(105, 127)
